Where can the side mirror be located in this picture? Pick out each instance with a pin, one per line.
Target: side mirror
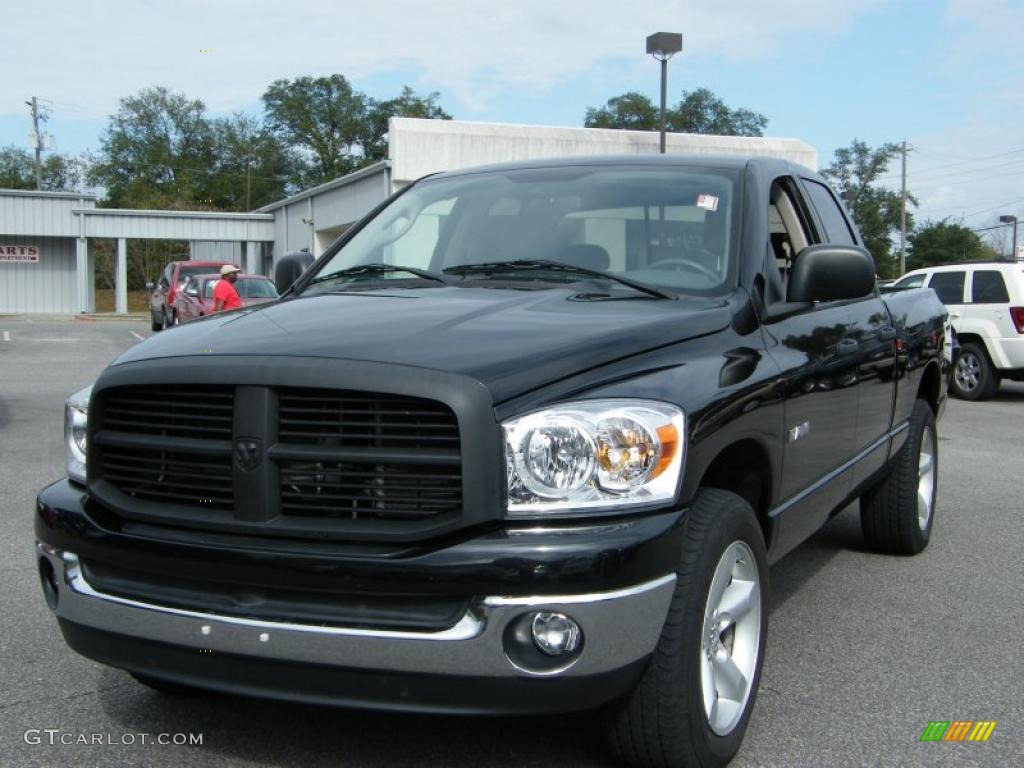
(831, 273)
(193, 292)
(289, 267)
(150, 285)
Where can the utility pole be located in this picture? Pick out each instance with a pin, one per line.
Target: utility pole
(38, 140)
(903, 209)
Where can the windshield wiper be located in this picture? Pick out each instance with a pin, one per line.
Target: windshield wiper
(546, 265)
(376, 268)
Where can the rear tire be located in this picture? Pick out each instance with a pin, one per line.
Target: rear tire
(690, 707)
(897, 514)
(974, 376)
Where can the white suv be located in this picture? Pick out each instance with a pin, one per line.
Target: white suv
(986, 309)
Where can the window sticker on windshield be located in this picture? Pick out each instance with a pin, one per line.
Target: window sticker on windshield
(707, 202)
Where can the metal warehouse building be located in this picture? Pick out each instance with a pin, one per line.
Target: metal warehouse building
(46, 257)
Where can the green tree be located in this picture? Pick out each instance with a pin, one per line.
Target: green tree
(251, 165)
(944, 242)
(631, 111)
(335, 128)
(323, 118)
(407, 104)
(854, 172)
(158, 151)
(699, 111)
(60, 173)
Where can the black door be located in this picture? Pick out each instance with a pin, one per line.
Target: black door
(876, 388)
(871, 341)
(816, 351)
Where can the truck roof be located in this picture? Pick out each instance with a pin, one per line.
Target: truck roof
(731, 162)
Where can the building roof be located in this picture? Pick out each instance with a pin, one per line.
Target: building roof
(51, 195)
(327, 186)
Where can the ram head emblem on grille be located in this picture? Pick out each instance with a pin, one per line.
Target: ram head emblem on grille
(248, 453)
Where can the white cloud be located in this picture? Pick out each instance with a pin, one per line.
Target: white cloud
(86, 55)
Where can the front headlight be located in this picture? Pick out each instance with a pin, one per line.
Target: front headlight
(76, 419)
(598, 455)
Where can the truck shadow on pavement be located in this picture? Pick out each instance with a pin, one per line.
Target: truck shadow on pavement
(251, 731)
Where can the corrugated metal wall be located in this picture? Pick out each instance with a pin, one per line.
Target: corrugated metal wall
(167, 225)
(25, 213)
(203, 250)
(330, 210)
(45, 286)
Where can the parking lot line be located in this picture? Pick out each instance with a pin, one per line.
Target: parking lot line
(7, 335)
(138, 336)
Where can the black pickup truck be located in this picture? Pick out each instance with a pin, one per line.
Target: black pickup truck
(525, 439)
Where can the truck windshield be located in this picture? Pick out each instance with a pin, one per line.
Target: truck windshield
(670, 227)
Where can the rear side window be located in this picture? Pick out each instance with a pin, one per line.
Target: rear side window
(949, 286)
(987, 287)
(836, 228)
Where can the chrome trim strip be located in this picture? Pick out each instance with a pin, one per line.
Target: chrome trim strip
(845, 467)
(621, 626)
(593, 597)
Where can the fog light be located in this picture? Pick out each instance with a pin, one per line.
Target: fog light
(555, 633)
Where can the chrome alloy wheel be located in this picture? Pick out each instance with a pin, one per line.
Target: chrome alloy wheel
(731, 638)
(926, 479)
(968, 372)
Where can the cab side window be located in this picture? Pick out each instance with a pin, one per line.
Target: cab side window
(837, 230)
(788, 234)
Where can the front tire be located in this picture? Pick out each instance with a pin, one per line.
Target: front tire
(156, 325)
(897, 514)
(693, 703)
(974, 376)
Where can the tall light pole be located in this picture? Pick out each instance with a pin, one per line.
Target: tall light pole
(1007, 219)
(663, 46)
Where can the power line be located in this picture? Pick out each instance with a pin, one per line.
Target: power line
(961, 182)
(928, 171)
(955, 174)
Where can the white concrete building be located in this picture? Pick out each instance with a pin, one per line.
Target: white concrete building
(50, 267)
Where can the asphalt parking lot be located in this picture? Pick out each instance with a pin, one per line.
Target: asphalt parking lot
(863, 650)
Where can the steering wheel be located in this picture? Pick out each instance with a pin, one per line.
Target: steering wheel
(676, 262)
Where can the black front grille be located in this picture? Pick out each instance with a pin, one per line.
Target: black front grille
(327, 462)
(353, 490)
(246, 599)
(204, 412)
(169, 477)
(361, 419)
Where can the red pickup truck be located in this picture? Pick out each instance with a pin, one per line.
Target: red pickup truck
(165, 290)
(196, 298)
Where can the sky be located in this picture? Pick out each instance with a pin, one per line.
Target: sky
(946, 75)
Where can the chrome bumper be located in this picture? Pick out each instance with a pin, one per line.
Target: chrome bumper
(618, 627)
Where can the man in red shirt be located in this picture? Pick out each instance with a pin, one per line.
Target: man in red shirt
(224, 294)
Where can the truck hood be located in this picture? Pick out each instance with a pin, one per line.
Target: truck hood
(512, 341)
